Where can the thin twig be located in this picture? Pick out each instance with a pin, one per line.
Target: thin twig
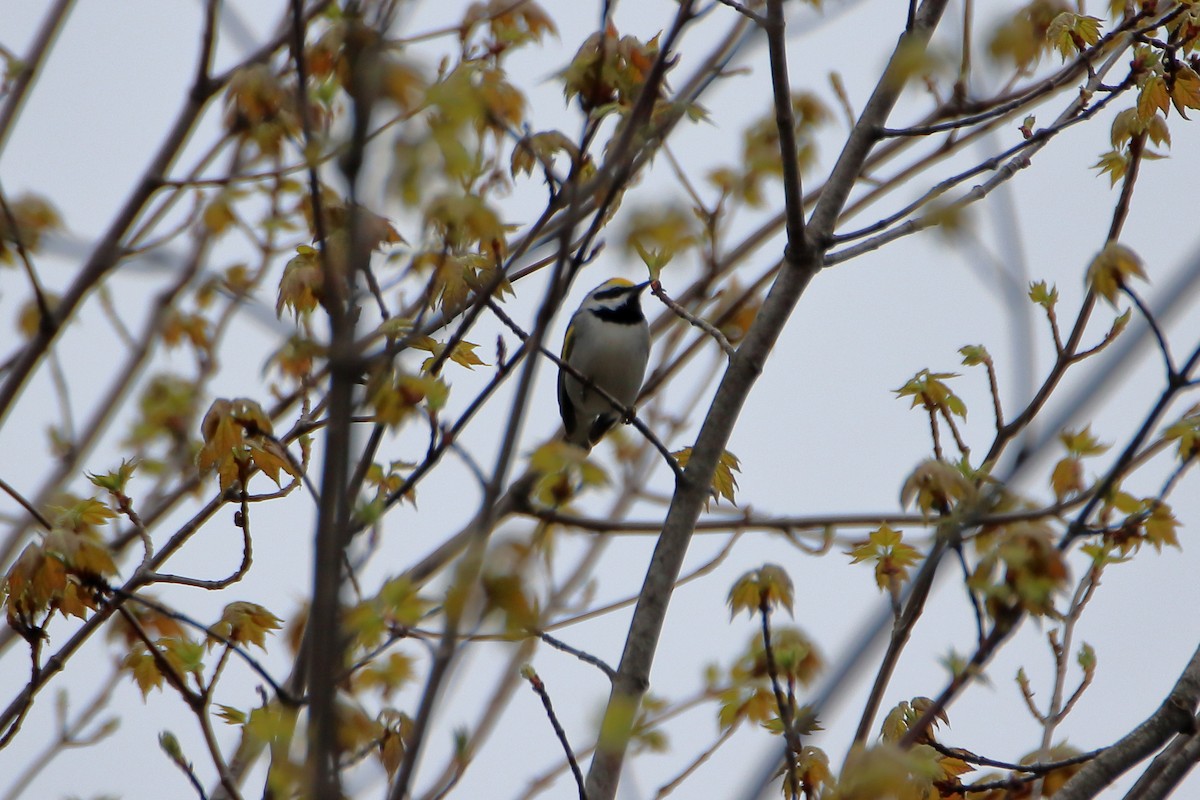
(7, 488)
(681, 312)
(1163, 348)
(1034, 768)
(539, 688)
(785, 708)
(587, 658)
(754, 17)
(627, 413)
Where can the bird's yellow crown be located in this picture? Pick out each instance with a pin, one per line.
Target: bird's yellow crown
(612, 283)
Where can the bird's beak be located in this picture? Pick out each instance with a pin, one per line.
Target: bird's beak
(641, 287)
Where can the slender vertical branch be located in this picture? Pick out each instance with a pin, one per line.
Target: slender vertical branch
(785, 121)
(30, 66)
(540, 689)
(802, 262)
(785, 707)
(962, 88)
(324, 630)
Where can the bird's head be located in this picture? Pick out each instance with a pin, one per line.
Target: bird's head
(614, 294)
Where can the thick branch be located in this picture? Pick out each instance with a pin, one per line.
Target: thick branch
(1175, 715)
(803, 262)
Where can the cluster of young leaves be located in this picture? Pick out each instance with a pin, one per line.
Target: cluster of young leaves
(371, 624)
(1165, 71)
(938, 487)
(1071, 34)
(608, 71)
(468, 111)
(188, 328)
(507, 592)
(442, 166)
(1186, 433)
(1129, 522)
(930, 391)
(339, 54)
(64, 569)
(539, 151)
(748, 690)
(888, 770)
(450, 168)
(173, 655)
(396, 607)
(395, 394)
(749, 695)
(919, 772)
(243, 623)
(659, 233)
(1111, 270)
(296, 359)
(453, 277)
(1067, 477)
(302, 286)
(892, 557)
(906, 714)
(274, 725)
(495, 26)
(382, 483)
(34, 216)
(564, 471)
(1020, 569)
(1023, 39)
(238, 436)
(260, 108)
(384, 736)
(173, 658)
(762, 590)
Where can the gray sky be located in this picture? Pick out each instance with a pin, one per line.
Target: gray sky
(822, 432)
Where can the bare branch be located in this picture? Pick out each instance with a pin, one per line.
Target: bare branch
(540, 689)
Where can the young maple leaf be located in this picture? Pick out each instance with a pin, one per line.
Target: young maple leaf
(929, 390)
(1110, 270)
(768, 586)
(245, 623)
(724, 484)
(892, 557)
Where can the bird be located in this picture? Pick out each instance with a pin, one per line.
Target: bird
(608, 342)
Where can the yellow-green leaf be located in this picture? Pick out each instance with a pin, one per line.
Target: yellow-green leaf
(245, 623)
(1044, 296)
(1111, 269)
(763, 588)
(724, 484)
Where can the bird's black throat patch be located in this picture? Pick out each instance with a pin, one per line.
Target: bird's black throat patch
(628, 313)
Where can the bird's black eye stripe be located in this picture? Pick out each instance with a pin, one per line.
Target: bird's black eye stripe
(615, 291)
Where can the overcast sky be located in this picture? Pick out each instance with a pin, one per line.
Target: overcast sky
(822, 432)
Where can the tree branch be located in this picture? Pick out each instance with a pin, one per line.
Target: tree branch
(1175, 715)
(802, 263)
